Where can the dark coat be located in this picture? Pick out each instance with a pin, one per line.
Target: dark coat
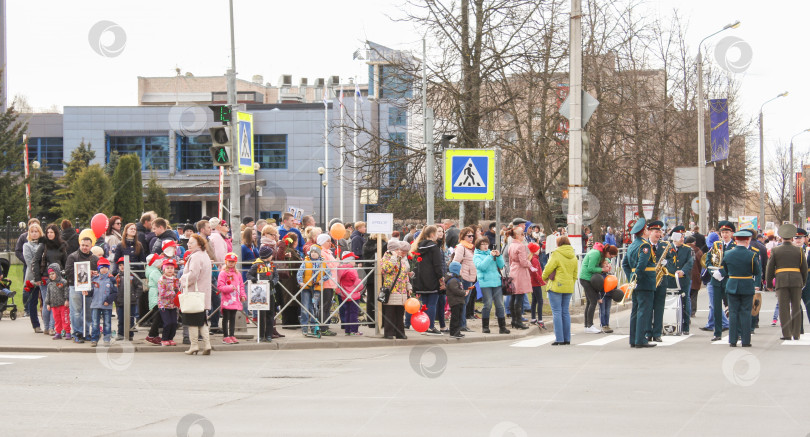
(144, 235)
(455, 290)
(156, 243)
(18, 248)
(137, 260)
(451, 236)
(50, 252)
(75, 257)
(71, 239)
(358, 240)
(429, 269)
(135, 289)
(786, 256)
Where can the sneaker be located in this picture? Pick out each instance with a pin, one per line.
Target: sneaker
(172, 343)
(119, 338)
(78, 340)
(433, 331)
(533, 321)
(466, 329)
(57, 337)
(93, 343)
(234, 340)
(459, 335)
(165, 343)
(606, 329)
(328, 333)
(592, 330)
(37, 330)
(226, 340)
(67, 336)
(541, 324)
(773, 323)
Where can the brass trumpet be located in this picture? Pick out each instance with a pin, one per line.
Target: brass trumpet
(660, 268)
(716, 256)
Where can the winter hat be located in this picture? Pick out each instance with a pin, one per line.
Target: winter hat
(404, 245)
(167, 244)
(97, 251)
(102, 262)
(120, 260)
(169, 262)
(214, 221)
(56, 268)
(153, 258)
(534, 247)
(348, 255)
(314, 249)
(393, 244)
(455, 267)
(323, 238)
(231, 257)
(265, 252)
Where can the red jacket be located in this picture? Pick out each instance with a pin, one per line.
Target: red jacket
(537, 277)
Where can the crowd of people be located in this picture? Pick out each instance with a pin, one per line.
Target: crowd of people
(311, 270)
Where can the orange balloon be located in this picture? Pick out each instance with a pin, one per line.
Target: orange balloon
(610, 283)
(412, 306)
(337, 231)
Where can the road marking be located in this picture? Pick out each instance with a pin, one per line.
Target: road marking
(605, 340)
(723, 340)
(669, 340)
(21, 357)
(4, 364)
(802, 342)
(534, 342)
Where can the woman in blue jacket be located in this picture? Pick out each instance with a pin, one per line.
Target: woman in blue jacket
(487, 265)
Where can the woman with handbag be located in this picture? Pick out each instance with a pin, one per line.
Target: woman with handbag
(519, 270)
(488, 265)
(465, 251)
(196, 282)
(394, 292)
(561, 274)
(428, 279)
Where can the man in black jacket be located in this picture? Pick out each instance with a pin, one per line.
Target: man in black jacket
(78, 302)
(160, 227)
(450, 233)
(358, 238)
(70, 236)
(144, 227)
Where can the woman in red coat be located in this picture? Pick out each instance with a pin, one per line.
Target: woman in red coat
(519, 270)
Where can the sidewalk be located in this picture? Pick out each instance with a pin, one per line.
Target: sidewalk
(19, 336)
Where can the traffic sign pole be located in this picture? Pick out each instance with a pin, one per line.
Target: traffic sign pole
(575, 126)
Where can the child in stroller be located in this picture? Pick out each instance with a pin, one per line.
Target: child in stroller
(5, 291)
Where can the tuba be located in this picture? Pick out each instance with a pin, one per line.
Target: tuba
(660, 268)
(715, 256)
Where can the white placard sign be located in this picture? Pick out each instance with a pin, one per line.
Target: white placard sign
(81, 272)
(380, 223)
(258, 296)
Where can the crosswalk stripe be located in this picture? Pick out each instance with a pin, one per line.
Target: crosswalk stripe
(723, 340)
(669, 340)
(534, 341)
(605, 340)
(802, 342)
(21, 357)
(4, 364)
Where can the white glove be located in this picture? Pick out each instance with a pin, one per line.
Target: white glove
(717, 275)
(663, 262)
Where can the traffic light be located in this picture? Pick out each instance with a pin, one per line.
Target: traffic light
(222, 113)
(221, 145)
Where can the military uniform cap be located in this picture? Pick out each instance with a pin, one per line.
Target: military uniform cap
(742, 235)
(679, 228)
(726, 226)
(639, 226)
(801, 232)
(656, 224)
(787, 231)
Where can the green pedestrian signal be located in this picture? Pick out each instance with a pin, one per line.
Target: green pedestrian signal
(221, 145)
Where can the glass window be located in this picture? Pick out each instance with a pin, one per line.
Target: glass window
(397, 167)
(153, 151)
(48, 151)
(194, 153)
(395, 83)
(397, 116)
(271, 151)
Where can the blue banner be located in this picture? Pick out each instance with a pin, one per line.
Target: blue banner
(718, 114)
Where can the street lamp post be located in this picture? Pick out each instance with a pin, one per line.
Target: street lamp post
(792, 175)
(256, 168)
(702, 210)
(321, 172)
(762, 164)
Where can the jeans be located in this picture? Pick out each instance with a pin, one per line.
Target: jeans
(604, 311)
(441, 303)
(456, 312)
(466, 285)
(80, 306)
(309, 300)
(31, 307)
(98, 313)
(710, 324)
(47, 320)
(559, 314)
(493, 294)
(430, 300)
(537, 303)
(592, 298)
(119, 313)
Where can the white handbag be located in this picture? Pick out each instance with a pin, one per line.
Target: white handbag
(192, 302)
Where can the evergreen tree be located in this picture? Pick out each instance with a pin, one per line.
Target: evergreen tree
(156, 198)
(110, 167)
(128, 186)
(92, 193)
(12, 191)
(43, 194)
(80, 159)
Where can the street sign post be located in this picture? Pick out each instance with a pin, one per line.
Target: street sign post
(469, 174)
(245, 140)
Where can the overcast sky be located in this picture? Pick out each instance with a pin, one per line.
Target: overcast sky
(51, 61)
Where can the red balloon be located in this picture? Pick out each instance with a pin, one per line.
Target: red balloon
(99, 224)
(420, 321)
(610, 283)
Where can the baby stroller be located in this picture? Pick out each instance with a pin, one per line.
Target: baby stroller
(6, 293)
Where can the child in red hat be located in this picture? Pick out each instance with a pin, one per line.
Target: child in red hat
(536, 275)
(168, 289)
(230, 285)
(350, 289)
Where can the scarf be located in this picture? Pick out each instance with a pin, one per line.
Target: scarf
(466, 244)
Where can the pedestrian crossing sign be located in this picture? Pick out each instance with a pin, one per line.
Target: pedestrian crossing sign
(244, 137)
(469, 174)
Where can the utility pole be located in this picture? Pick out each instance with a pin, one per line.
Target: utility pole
(235, 206)
(428, 139)
(575, 125)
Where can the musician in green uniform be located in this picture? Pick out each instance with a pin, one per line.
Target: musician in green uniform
(787, 267)
(654, 331)
(638, 265)
(679, 273)
(717, 286)
(741, 271)
(800, 232)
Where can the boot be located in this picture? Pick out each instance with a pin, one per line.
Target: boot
(206, 335)
(517, 313)
(193, 332)
(485, 325)
(502, 326)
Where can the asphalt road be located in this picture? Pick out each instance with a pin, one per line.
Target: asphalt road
(513, 388)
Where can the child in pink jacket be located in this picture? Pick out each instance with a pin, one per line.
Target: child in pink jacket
(350, 290)
(232, 291)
